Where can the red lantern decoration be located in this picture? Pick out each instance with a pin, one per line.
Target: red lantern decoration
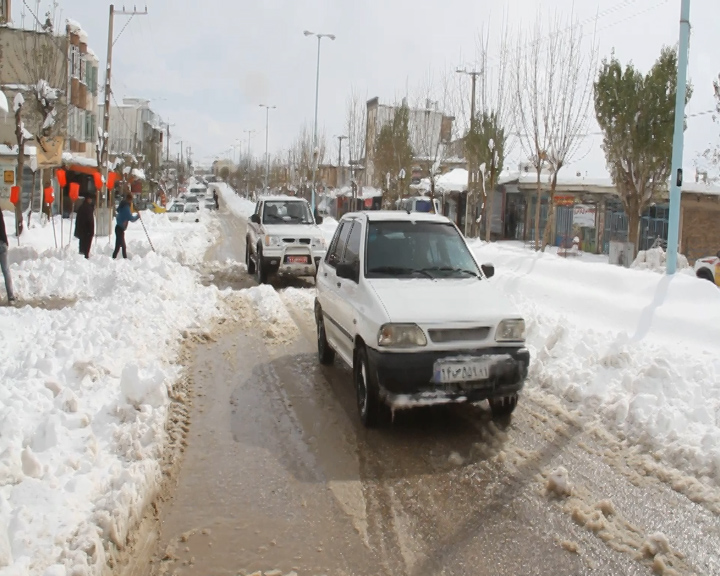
(49, 195)
(15, 194)
(97, 177)
(112, 177)
(74, 191)
(61, 177)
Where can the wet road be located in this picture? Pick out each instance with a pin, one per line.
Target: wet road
(279, 475)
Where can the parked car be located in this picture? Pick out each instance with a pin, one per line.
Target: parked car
(210, 205)
(283, 238)
(176, 211)
(191, 213)
(708, 268)
(402, 300)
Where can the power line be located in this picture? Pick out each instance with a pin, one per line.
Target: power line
(123, 28)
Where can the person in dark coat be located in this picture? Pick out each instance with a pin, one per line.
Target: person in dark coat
(4, 244)
(85, 226)
(124, 215)
(217, 201)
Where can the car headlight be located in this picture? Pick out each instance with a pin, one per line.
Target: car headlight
(273, 240)
(318, 243)
(401, 336)
(510, 331)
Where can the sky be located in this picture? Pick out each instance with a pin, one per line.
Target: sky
(207, 66)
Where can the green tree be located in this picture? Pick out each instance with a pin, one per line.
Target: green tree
(224, 173)
(636, 114)
(393, 150)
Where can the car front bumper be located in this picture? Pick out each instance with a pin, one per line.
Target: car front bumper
(279, 261)
(408, 377)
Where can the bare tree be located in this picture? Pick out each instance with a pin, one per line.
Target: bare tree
(356, 126)
(495, 118)
(554, 92)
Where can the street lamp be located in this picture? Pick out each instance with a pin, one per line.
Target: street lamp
(267, 158)
(317, 88)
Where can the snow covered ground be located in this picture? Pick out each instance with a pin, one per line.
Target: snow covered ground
(84, 387)
(635, 349)
(238, 205)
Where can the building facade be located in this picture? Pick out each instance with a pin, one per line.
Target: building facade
(82, 93)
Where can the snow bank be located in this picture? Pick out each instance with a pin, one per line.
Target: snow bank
(637, 350)
(328, 227)
(84, 391)
(239, 206)
(655, 259)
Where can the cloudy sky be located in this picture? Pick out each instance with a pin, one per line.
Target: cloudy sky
(207, 65)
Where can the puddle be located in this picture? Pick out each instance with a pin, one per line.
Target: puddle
(44, 303)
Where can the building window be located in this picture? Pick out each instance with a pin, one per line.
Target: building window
(94, 80)
(88, 127)
(74, 61)
(93, 128)
(83, 71)
(71, 121)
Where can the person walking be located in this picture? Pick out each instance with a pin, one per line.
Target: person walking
(217, 201)
(85, 226)
(4, 261)
(124, 215)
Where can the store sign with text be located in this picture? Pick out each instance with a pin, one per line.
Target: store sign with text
(584, 215)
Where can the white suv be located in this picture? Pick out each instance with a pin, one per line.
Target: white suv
(402, 300)
(283, 238)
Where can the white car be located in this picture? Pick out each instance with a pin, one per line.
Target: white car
(191, 213)
(283, 238)
(709, 268)
(402, 300)
(175, 211)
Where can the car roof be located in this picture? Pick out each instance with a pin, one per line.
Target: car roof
(280, 198)
(397, 216)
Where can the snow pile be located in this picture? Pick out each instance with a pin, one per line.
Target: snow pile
(637, 350)
(558, 483)
(84, 394)
(239, 206)
(328, 227)
(655, 258)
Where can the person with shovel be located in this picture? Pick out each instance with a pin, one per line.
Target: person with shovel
(124, 215)
(85, 226)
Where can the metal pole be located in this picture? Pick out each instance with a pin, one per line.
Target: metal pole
(267, 163)
(678, 140)
(315, 137)
(471, 162)
(106, 124)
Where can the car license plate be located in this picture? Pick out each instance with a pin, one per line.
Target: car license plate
(296, 259)
(465, 371)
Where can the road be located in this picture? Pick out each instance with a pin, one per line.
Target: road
(278, 474)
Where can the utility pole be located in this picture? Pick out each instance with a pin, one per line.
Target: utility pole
(267, 157)
(470, 161)
(678, 140)
(340, 139)
(106, 109)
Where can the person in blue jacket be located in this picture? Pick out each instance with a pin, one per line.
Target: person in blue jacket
(124, 215)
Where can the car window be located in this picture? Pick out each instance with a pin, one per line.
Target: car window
(412, 249)
(287, 212)
(352, 250)
(338, 244)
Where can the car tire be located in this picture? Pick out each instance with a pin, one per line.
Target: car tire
(326, 355)
(260, 272)
(705, 274)
(366, 388)
(248, 258)
(503, 406)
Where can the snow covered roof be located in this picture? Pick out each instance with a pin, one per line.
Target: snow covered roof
(454, 181)
(74, 27)
(138, 174)
(8, 151)
(701, 188)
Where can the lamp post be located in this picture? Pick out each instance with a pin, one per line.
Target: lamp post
(267, 123)
(317, 89)
(678, 140)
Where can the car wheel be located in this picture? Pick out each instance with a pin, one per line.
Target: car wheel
(504, 406)
(326, 355)
(366, 386)
(248, 258)
(705, 274)
(260, 272)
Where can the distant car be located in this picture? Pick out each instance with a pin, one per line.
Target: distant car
(210, 205)
(192, 199)
(709, 268)
(192, 212)
(176, 211)
(402, 300)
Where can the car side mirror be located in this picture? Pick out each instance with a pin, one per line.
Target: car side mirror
(255, 218)
(488, 270)
(318, 219)
(348, 271)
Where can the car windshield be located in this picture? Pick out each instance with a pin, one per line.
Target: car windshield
(177, 208)
(287, 212)
(405, 249)
(192, 199)
(191, 208)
